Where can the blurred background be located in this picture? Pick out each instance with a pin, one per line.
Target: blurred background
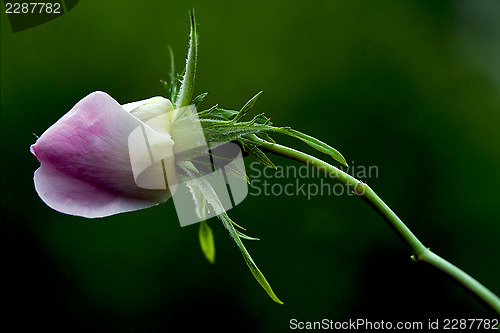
(411, 87)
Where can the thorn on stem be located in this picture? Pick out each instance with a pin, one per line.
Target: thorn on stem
(360, 189)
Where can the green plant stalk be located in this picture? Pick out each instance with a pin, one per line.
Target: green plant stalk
(420, 252)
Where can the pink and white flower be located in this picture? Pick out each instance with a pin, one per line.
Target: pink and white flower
(85, 160)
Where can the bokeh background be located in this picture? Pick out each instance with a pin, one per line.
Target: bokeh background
(411, 87)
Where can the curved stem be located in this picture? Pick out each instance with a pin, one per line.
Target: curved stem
(420, 252)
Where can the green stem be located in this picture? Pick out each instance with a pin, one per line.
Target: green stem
(420, 252)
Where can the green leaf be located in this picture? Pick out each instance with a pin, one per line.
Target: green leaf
(205, 234)
(256, 153)
(249, 261)
(242, 235)
(209, 193)
(234, 170)
(207, 241)
(173, 86)
(172, 74)
(225, 131)
(216, 113)
(317, 144)
(220, 125)
(198, 99)
(187, 82)
(248, 105)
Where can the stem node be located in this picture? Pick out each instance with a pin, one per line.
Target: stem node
(420, 252)
(360, 189)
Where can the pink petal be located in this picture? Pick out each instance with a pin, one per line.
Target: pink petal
(85, 164)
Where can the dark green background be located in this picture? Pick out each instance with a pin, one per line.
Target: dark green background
(411, 87)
